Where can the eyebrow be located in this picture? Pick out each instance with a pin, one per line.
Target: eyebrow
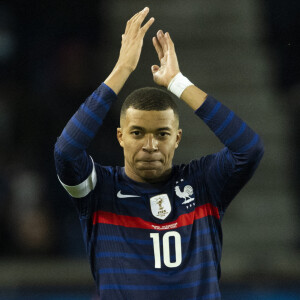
(164, 128)
(158, 129)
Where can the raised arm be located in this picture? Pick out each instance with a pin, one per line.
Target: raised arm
(169, 69)
(74, 167)
(132, 42)
(228, 170)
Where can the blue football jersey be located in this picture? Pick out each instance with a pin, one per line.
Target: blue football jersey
(162, 240)
(153, 241)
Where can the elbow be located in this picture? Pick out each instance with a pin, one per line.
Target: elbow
(57, 151)
(260, 149)
(60, 148)
(257, 151)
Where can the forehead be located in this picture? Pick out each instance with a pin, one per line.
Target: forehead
(149, 119)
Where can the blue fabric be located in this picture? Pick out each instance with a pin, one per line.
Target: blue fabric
(117, 232)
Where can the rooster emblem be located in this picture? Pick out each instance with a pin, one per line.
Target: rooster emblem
(186, 194)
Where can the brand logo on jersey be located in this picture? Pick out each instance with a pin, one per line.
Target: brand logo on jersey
(160, 206)
(186, 193)
(120, 195)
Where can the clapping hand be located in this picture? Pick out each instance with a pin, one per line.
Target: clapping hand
(164, 46)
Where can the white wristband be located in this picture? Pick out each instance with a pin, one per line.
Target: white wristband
(178, 84)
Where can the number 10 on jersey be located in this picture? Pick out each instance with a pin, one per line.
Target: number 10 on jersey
(166, 249)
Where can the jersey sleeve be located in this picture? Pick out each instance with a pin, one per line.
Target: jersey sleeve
(75, 168)
(227, 171)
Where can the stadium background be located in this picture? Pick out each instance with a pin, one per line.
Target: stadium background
(53, 54)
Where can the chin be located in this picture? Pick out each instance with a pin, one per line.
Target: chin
(151, 172)
(152, 175)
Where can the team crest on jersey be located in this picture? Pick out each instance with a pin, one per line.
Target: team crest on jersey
(186, 192)
(160, 206)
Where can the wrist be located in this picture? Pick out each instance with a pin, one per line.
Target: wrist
(123, 68)
(117, 78)
(171, 79)
(178, 84)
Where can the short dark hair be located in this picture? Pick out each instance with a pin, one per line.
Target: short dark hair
(150, 98)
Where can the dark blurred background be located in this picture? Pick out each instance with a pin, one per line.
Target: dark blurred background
(53, 54)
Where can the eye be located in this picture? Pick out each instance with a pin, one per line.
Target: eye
(163, 134)
(135, 133)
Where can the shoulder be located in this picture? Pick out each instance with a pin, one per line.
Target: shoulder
(197, 167)
(107, 171)
(194, 165)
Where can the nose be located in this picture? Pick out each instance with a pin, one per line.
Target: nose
(150, 144)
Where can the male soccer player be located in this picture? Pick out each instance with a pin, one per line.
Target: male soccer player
(152, 230)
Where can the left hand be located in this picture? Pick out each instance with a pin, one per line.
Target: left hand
(169, 67)
(132, 40)
(130, 52)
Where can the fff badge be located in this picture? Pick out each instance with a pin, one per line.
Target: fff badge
(160, 206)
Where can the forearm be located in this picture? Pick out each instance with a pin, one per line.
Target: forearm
(70, 154)
(232, 131)
(184, 89)
(73, 165)
(132, 42)
(193, 96)
(229, 169)
(118, 77)
(229, 128)
(84, 124)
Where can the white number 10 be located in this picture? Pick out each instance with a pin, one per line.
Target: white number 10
(166, 249)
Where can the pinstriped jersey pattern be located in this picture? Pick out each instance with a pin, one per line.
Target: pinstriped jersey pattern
(166, 240)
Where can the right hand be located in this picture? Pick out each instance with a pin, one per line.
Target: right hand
(132, 40)
(164, 46)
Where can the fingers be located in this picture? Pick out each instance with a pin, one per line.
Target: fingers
(130, 21)
(169, 41)
(136, 21)
(162, 43)
(142, 15)
(158, 48)
(162, 40)
(154, 68)
(145, 28)
(133, 19)
(138, 14)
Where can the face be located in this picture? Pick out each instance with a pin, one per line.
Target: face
(149, 139)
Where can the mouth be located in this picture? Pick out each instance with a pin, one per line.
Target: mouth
(149, 160)
(150, 164)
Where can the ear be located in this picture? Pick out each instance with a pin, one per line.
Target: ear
(178, 137)
(120, 136)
